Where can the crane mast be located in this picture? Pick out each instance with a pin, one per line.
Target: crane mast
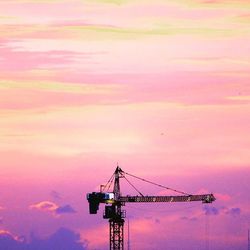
(116, 216)
(114, 202)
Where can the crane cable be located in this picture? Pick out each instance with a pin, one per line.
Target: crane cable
(133, 186)
(159, 185)
(108, 184)
(207, 233)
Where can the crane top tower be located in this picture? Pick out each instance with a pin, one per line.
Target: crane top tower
(114, 202)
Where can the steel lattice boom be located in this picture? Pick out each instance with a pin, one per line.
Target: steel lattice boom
(205, 198)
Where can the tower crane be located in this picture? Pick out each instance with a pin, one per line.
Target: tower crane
(114, 202)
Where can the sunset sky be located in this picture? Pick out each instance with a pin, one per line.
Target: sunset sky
(161, 87)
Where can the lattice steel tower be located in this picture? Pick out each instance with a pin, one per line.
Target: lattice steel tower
(116, 215)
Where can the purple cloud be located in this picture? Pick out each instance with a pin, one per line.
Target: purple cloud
(62, 239)
(67, 209)
(211, 210)
(235, 211)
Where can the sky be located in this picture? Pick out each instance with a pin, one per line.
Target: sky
(159, 87)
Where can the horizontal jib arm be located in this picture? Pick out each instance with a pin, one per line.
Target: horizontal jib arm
(205, 198)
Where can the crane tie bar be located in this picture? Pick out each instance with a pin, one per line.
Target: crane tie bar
(133, 186)
(159, 185)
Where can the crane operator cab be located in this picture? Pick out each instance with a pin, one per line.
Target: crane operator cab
(95, 198)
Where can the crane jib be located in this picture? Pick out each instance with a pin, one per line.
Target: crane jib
(205, 198)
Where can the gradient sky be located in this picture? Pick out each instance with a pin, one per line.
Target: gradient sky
(161, 87)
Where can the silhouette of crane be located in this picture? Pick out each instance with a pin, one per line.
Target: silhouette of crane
(114, 202)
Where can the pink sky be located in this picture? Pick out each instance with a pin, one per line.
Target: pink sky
(162, 87)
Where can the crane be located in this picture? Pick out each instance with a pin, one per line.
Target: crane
(114, 202)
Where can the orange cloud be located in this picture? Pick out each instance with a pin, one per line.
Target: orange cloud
(45, 206)
(5, 232)
(51, 207)
(8, 234)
